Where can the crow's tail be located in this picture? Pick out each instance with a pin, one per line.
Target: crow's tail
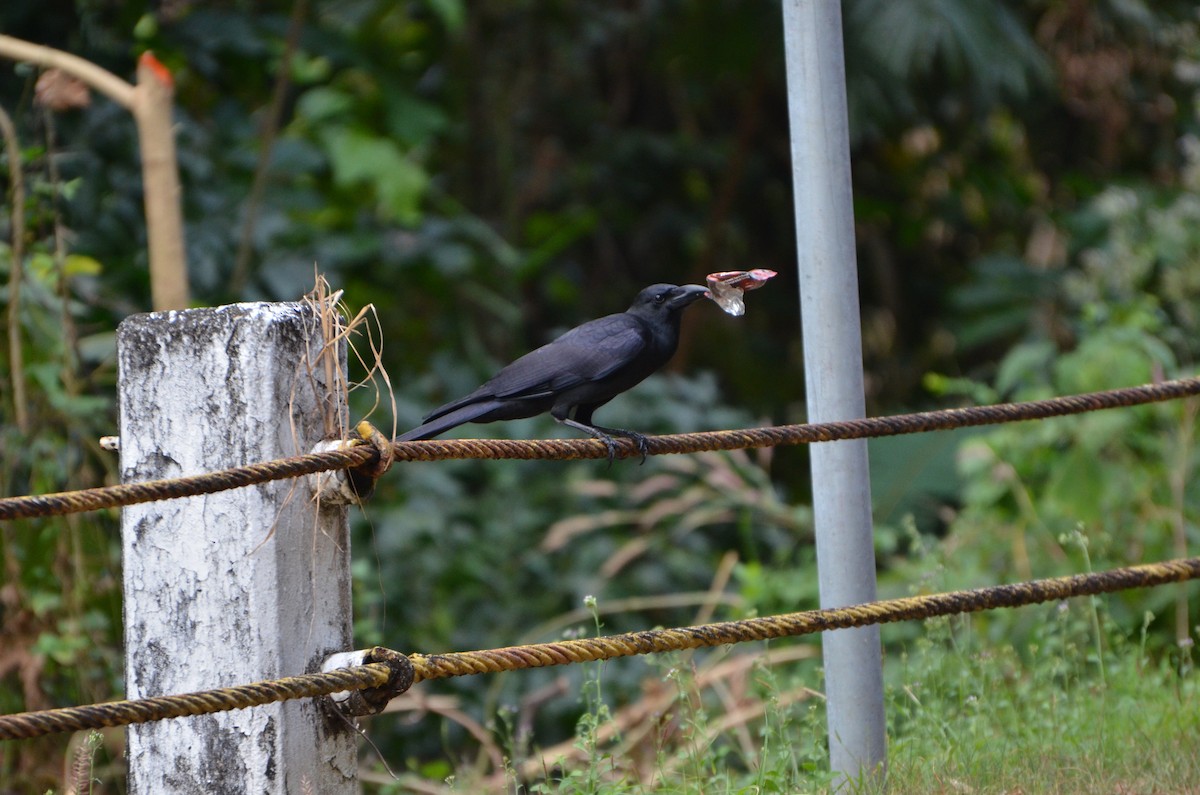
(443, 423)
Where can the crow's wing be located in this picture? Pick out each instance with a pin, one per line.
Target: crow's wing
(585, 354)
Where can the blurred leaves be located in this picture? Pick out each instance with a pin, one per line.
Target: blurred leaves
(1108, 473)
(981, 46)
(359, 159)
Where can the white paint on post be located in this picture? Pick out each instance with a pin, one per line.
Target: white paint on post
(239, 586)
(828, 279)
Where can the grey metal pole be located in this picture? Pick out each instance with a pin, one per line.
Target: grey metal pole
(833, 369)
(239, 586)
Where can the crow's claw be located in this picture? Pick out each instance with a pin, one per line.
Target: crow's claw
(639, 441)
(611, 444)
(606, 435)
(643, 446)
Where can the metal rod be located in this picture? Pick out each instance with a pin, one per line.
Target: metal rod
(828, 279)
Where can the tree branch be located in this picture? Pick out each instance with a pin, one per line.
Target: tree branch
(95, 76)
(17, 192)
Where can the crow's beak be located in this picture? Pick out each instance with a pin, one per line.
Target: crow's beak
(686, 294)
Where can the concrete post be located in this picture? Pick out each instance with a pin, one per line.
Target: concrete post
(243, 585)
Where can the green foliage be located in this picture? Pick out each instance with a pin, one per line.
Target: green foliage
(980, 45)
(1123, 317)
(59, 578)
(489, 173)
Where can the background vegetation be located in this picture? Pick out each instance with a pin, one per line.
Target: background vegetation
(485, 174)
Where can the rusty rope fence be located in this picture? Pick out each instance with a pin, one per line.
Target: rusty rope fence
(395, 673)
(25, 725)
(389, 673)
(366, 455)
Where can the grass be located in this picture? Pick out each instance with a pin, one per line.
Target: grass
(1070, 712)
(980, 719)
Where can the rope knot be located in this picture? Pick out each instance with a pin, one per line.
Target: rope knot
(372, 700)
(363, 477)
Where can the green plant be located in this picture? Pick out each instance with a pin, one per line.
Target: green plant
(59, 577)
(965, 712)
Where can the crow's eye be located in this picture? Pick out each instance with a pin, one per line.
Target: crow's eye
(661, 297)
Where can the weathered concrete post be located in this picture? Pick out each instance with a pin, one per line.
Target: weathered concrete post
(243, 585)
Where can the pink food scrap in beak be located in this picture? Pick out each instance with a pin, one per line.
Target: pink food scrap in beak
(727, 287)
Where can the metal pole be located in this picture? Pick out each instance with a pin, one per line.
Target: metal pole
(242, 585)
(833, 370)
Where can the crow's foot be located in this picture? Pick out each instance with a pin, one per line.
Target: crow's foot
(606, 435)
(638, 439)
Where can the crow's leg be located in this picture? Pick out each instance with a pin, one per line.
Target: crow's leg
(606, 435)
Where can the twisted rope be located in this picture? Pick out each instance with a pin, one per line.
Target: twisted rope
(24, 725)
(363, 455)
(441, 666)
(386, 679)
(872, 427)
(170, 488)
